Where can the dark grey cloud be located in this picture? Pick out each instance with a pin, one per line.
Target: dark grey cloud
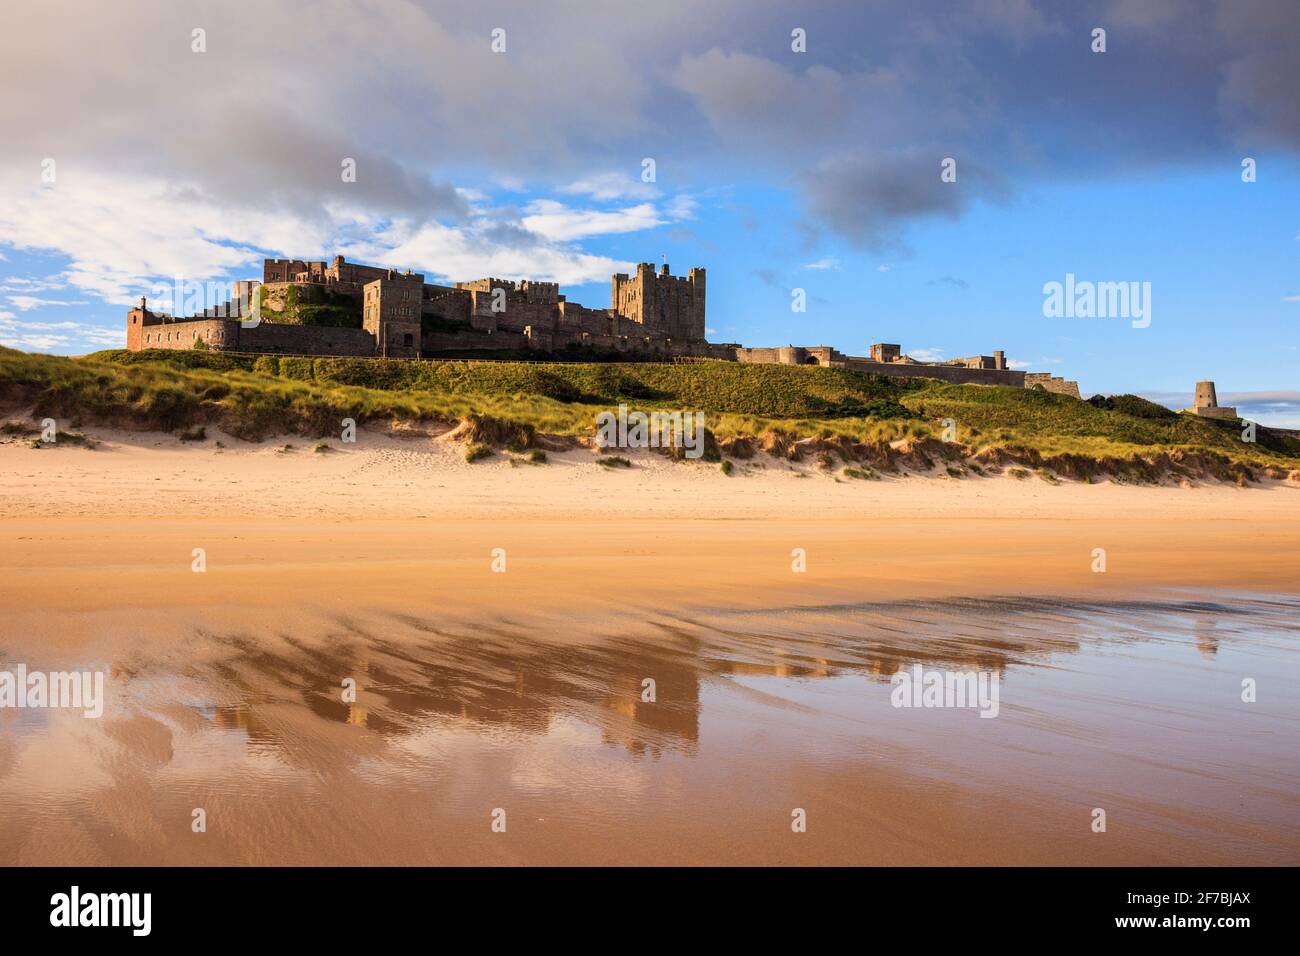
(865, 197)
(508, 232)
(857, 124)
(1010, 89)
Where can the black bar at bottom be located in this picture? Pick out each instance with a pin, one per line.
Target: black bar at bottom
(211, 906)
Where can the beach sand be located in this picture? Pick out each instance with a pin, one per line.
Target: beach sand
(522, 690)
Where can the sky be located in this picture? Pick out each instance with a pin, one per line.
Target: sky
(794, 147)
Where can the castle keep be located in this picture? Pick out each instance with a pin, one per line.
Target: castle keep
(342, 308)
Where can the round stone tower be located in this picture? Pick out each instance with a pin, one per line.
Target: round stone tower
(1205, 396)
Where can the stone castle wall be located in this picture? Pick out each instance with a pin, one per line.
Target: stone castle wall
(1052, 383)
(826, 356)
(954, 374)
(304, 340)
(165, 332)
(152, 333)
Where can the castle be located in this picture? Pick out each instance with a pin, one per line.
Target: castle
(343, 308)
(399, 315)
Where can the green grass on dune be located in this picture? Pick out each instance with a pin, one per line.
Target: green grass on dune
(769, 390)
(1121, 425)
(247, 403)
(255, 396)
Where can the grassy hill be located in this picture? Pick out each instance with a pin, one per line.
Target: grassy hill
(783, 409)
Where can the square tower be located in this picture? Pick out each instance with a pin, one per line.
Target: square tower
(390, 311)
(667, 304)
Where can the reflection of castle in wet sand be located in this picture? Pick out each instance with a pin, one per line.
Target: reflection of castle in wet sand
(506, 677)
(754, 711)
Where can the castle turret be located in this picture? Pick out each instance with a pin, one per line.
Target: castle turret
(1206, 403)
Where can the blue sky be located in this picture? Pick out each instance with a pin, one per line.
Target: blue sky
(775, 170)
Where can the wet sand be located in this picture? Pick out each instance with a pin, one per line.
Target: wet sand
(522, 690)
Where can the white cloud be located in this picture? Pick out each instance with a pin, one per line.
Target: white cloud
(474, 198)
(1018, 363)
(927, 355)
(823, 264)
(119, 232)
(458, 254)
(558, 222)
(26, 303)
(1291, 298)
(123, 234)
(26, 284)
(681, 207)
(607, 186)
(45, 336)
